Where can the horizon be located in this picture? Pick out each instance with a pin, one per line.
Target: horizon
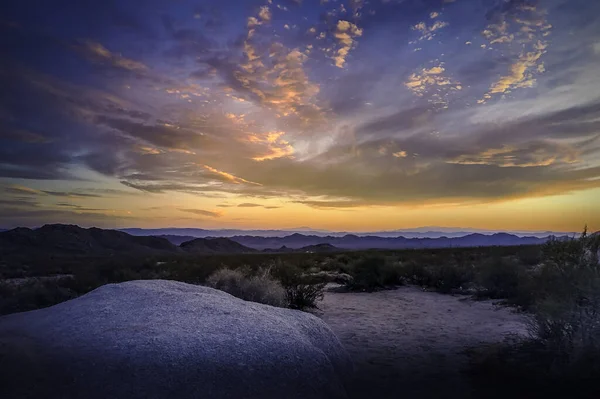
(306, 230)
(346, 116)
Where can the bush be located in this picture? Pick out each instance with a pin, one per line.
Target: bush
(33, 294)
(530, 255)
(304, 296)
(302, 290)
(416, 273)
(260, 288)
(444, 277)
(372, 273)
(567, 311)
(499, 278)
(562, 356)
(449, 277)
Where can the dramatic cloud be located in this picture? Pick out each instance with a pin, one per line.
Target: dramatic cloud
(185, 107)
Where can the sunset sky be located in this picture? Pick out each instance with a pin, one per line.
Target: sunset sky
(342, 115)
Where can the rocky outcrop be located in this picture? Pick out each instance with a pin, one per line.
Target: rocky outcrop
(166, 339)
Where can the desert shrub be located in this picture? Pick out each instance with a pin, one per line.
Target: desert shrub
(304, 296)
(302, 290)
(260, 287)
(416, 273)
(449, 277)
(372, 273)
(562, 356)
(32, 294)
(530, 255)
(499, 278)
(567, 309)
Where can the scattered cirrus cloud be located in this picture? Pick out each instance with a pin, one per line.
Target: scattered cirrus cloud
(154, 105)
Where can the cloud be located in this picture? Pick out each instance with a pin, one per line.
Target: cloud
(253, 205)
(265, 14)
(332, 204)
(71, 194)
(159, 134)
(273, 76)
(525, 24)
(22, 190)
(19, 202)
(429, 32)
(98, 53)
(256, 115)
(227, 176)
(432, 81)
(202, 212)
(23, 136)
(521, 73)
(249, 205)
(274, 146)
(532, 154)
(346, 34)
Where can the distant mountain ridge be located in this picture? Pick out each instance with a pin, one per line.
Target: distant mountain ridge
(71, 239)
(354, 242)
(421, 232)
(60, 239)
(215, 245)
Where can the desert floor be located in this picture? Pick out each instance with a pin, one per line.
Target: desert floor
(408, 343)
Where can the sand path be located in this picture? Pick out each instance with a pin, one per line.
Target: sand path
(407, 343)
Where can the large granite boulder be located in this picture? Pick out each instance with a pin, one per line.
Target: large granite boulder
(166, 339)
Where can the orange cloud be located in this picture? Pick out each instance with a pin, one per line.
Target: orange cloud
(276, 146)
(346, 33)
(99, 52)
(428, 32)
(529, 29)
(228, 176)
(432, 79)
(510, 156)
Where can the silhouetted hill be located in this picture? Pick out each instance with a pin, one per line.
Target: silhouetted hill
(214, 245)
(318, 248)
(71, 239)
(351, 241)
(175, 239)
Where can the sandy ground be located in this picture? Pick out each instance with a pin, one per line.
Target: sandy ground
(408, 343)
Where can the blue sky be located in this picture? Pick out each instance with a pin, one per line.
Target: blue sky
(152, 113)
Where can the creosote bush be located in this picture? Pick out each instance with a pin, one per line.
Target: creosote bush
(372, 273)
(303, 290)
(260, 287)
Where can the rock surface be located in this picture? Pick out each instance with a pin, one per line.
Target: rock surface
(166, 339)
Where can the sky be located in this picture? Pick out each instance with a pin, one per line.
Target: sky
(354, 115)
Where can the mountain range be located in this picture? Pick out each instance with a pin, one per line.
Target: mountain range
(59, 239)
(420, 232)
(354, 242)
